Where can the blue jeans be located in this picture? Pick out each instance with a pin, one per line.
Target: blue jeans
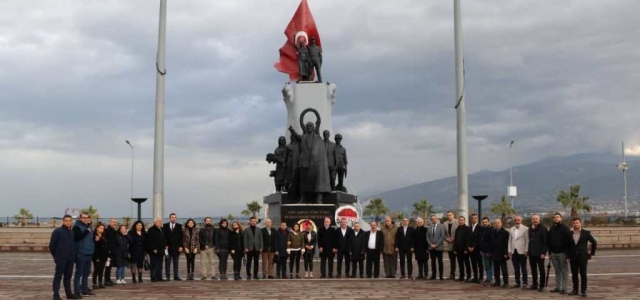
(120, 271)
(83, 268)
(488, 267)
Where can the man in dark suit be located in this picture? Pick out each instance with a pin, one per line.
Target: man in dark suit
(373, 248)
(341, 244)
(326, 240)
(173, 236)
(579, 257)
(111, 234)
(405, 237)
(500, 253)
(155, 246)
(357, 243)
(268, 249)
(62, 247)
(421, 249)
(537, 249)
(473, 245)
(461, 249)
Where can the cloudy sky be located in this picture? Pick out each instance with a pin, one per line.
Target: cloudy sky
(77, 79)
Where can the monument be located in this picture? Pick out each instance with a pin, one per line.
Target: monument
(307, 163)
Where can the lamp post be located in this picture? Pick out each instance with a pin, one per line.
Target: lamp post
(139, 201)
(480, 198)
(624, 167)
(512, 189)
(132, 148)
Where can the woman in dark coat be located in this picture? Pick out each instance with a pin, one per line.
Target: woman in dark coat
(100, 256)
(222, 247)
(236, 248)
(136, 250)
(122, 255)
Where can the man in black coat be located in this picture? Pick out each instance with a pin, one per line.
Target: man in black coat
(461, 249)
(373, 248)
(173, 236)
(357, 244)
(62, 247)
(405, 237)
(485, 248)
(579, 257)
(537, 251)
(268, 249)
(500, 253)
(421, 249)
(341, 244)
(326, 238)
(155, 246)
(473, 245)
(111, 234)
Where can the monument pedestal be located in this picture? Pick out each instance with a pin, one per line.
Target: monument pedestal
(283, 207)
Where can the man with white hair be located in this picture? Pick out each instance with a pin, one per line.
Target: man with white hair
(404, 246)
(421, 249)
(156, 248)
(389, 254)
(519, 250)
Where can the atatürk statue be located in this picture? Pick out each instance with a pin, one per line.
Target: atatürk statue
(331, 158)
(279, 157)
(314, 170)
(304, 62)
(341, 163)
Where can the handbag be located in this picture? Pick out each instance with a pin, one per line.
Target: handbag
(146, 264)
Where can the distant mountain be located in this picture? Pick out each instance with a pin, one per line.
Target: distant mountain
(538, 183)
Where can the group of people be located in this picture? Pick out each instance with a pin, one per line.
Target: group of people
(479, 250)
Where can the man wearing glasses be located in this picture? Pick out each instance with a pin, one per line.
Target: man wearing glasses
(83, 236)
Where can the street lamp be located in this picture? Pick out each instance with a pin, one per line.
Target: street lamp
(512, 191)
(132, 148)
(480, 198)
(624, 167)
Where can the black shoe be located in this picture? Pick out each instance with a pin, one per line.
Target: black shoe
(506, 285)
(264, 276)
(533, 287)
(541, 289)
(270, 277)
(556, 290)
(177, 278)
(563, 292)
(89, 293)
(402, 277)
(96, 286)
(290, 276)
(573, 293)
(72, 296)
(441, 278)
(109, 283)
(323, 276)
(496, 284)
(77, 295)
(56, 297)
(331, 275)
(248, 277)
(585, 295)
(337, 276)
(517, 286)
(468, 280)
(256, 277)
(460, 279)
(140, 278)
(432, 278)
(101, 286)
(133, 278)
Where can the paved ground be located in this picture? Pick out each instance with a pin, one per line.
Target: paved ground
(613, 275)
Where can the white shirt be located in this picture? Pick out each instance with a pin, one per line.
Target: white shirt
(172, 225)
(356, 232)
(372, 240)
(405, 230)
(516, 230)
(344, 231)
(473, 227)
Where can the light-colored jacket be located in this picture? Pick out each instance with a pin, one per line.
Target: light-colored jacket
(520, 242)
(449, 233)
(437, 238)
(389, 239)
(252, 242)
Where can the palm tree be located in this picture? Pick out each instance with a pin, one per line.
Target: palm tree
(92, 212)
(573, 199)
(23, 216)
(126, 220)
(398, 216)
(376, 208)
(503, 209)
(422, 209)
(253, 208)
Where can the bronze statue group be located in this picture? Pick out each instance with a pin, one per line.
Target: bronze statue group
(481, 250)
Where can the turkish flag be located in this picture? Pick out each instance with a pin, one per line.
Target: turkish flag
(302, 27)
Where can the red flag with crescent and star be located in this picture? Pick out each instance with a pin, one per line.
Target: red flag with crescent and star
(302, 27)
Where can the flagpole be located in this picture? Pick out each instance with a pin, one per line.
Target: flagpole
(463, 199)
(158, 147)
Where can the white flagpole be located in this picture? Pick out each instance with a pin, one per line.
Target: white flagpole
(463, 195)
(158, 153)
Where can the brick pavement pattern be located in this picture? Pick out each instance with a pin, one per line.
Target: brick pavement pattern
(28, 276)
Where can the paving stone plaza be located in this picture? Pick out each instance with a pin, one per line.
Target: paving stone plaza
(613, 274)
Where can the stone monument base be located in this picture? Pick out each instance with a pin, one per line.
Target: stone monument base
(283, 207)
